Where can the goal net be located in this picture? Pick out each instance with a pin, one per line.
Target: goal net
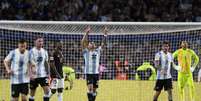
(129, 45)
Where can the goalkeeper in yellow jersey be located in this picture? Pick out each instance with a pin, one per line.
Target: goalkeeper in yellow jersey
(185, 67)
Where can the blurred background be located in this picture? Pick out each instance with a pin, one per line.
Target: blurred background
(102, 10)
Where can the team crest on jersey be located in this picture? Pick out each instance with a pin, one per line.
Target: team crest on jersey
(40, 59)
(94, 55)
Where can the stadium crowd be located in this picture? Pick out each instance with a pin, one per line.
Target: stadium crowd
(101, 10)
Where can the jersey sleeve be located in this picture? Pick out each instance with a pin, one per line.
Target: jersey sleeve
(31, 56)
(175, 54)
(46, 56)
(171, 58)
(157, 57)
(10, 56)
(85, 51)
(100, 48)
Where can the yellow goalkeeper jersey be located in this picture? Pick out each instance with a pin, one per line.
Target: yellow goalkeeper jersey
(185, 58)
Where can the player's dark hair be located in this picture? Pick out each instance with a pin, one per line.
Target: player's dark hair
(56, 44)
(166, 43)
(38, 37)
(21, 41)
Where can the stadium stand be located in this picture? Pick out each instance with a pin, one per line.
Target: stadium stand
(101, 10)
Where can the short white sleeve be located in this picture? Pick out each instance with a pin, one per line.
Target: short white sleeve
(157, 57)
(46, 56)
(10, 56)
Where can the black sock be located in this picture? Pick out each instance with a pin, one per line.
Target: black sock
(31, 99)
(46, 98)
(90, 96)
(94, 96)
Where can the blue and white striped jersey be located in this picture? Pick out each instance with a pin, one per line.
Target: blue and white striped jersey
(19, 66)
(92, 59)
(39, 57)
(165, 64)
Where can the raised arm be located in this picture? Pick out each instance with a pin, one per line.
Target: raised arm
(104, 40)
(84, 41)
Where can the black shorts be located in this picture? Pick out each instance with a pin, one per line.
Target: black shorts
(166, 84)
(92, 79)
(16, 89)
(42, 81)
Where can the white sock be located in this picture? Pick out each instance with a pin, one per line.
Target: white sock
(50, 94)
(31, 97)
(60, 97)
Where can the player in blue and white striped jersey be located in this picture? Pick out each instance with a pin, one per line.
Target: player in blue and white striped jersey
(17, 65)
(91, 55)
(163, 63)
(41, 73)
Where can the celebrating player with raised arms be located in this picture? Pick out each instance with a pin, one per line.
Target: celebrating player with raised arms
(185, 56)
(17, 64)
(92, 58)
(41, 73)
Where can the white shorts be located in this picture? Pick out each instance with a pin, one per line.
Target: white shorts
(57, 83)
(199, 75)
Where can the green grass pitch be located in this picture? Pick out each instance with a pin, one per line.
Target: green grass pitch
(109, 90)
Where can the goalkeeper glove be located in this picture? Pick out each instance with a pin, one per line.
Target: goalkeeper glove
(178, 68)
(192, 69)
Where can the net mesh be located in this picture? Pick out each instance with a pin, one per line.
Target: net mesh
(114, 27)
(129, 45)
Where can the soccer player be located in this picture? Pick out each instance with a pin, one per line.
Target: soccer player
(91, 58)
(185, 56)
(41, 72)
(146, 72)
(163, 61)
(69, 74)
(56, 64)
(17, 66)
